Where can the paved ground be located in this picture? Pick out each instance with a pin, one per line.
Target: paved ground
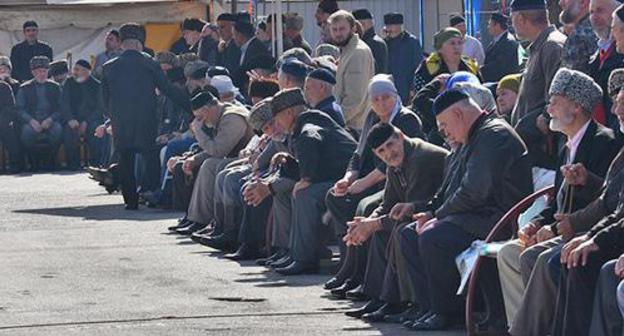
(73, 262)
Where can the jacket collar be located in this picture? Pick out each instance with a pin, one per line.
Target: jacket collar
(541, 39)
(476, 126)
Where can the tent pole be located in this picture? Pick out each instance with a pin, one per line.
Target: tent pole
(234, 6)
(279, 31)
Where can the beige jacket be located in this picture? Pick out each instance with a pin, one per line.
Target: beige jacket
(356, 67)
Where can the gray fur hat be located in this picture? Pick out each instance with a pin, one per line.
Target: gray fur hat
(577, 87)
(616, 82)
(287, 98)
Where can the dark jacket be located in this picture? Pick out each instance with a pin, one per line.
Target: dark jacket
(82, 101)
(363, 159)
(255, 49)
(501, 59)
(321, 146)
(8, 111)
(493, 174)
(332, 108)
(600, 72)
(404, 54)
(300, 42)
(596, 150)
(22, 53)
(379, 48)
(229, 57)
(27, 101)
(416, 181)
(129, 93)
(208, 50)
(179, 47)
(434, 65)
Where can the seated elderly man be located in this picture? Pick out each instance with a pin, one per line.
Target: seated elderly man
(492, 174)
(322, 150)
(39, 109)
(319, 93)
(584, 255)
(414, 173)
(365, 176)
(522, 263)
(229, 134)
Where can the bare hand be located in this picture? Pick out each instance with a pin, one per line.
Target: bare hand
(36, 126)
(571, 246)
(171, 163)
(300, 185)
(442, 79)
(575, 174)
(545, 233)
(619, 267)
(357, 187)
(188, 165)
(578, 257)
(564, 227)
(46, 124)
(428, 225)
(401, 211)
(100, 131)
(341, 187)
(279, 159)
(73, 124)
(256, 192)
(526, 235)
(422, 217)
(360, 230)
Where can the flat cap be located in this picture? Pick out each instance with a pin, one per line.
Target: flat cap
(287, 98)
(323, 75)
(261, 114)
(456, 19)
(132, 31)
(520, 5)
(263, 88)
(379, 134)
(38, 62)
(217, 70)
(262, 61)
(244, 27)
(616, 81)
(223, 84)
(193, 24)
(447, 99)
(58, 67)
(500, 18)
(202, 99)
(84, 63)
(326, 49)
(362, 14)
(393, 18)
(295, 68)
(577, 87)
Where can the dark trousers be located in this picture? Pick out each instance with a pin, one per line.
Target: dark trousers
(577, 288)
(182, 188)
(438, 248)
(606, 319)
(71, 141)
(253, 226)
(417, 282)
(376, 264)
(9, 137)
(127, 170)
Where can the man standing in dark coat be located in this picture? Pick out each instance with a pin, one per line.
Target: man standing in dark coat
(8, 131)
(501, 55)
(322, 150)
(250, 47)
(129, 92)
(375, 43)
(229, 53)
(493, 174)
(82, 112)
(22, 53)
(405, 53)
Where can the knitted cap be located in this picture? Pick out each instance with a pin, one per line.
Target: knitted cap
(444, 35)
(511, 82)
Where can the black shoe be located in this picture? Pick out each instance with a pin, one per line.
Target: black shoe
(333, 283)
(282, 262)
(379, 314)
(432, 323)
(357, 294)
(340, 293)
(188, 230)
(244, 252)
(221, 242)
(275, 257)
(182, 223)
(298, 267)
(409, 314)
(422, 316)
(369, 307)
(197, 236)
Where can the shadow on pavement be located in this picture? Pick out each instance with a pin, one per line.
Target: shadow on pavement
(102, 213)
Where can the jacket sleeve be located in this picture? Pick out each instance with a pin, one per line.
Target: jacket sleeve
(583, 219)
(390, 199)
(21, 107)
(174, 93)
(611, 238)
(7, 104)
(308, 146)
(231, 130)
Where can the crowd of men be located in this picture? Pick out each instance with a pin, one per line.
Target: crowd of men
(402, 159)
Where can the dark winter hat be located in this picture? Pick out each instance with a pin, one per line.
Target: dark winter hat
(393, 19)
(520, 5)
(362, 14)
(263, 88)
(84, 64)
(193, 24)
(444, 35)
(616, 82)
(262, 61)
(58, 68)
(227, 17)
(295, 68)
(456, 19)
(217, 71)
(132, 31)
(287, 98)
(379, 134)
(447, 99)
(261, 114)
(328, 6)
(577, 87)
(30, 24)
(199, 73)
(500, 19)
(244, 27)
(38, 62)
(324, 75)
(202, 99)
